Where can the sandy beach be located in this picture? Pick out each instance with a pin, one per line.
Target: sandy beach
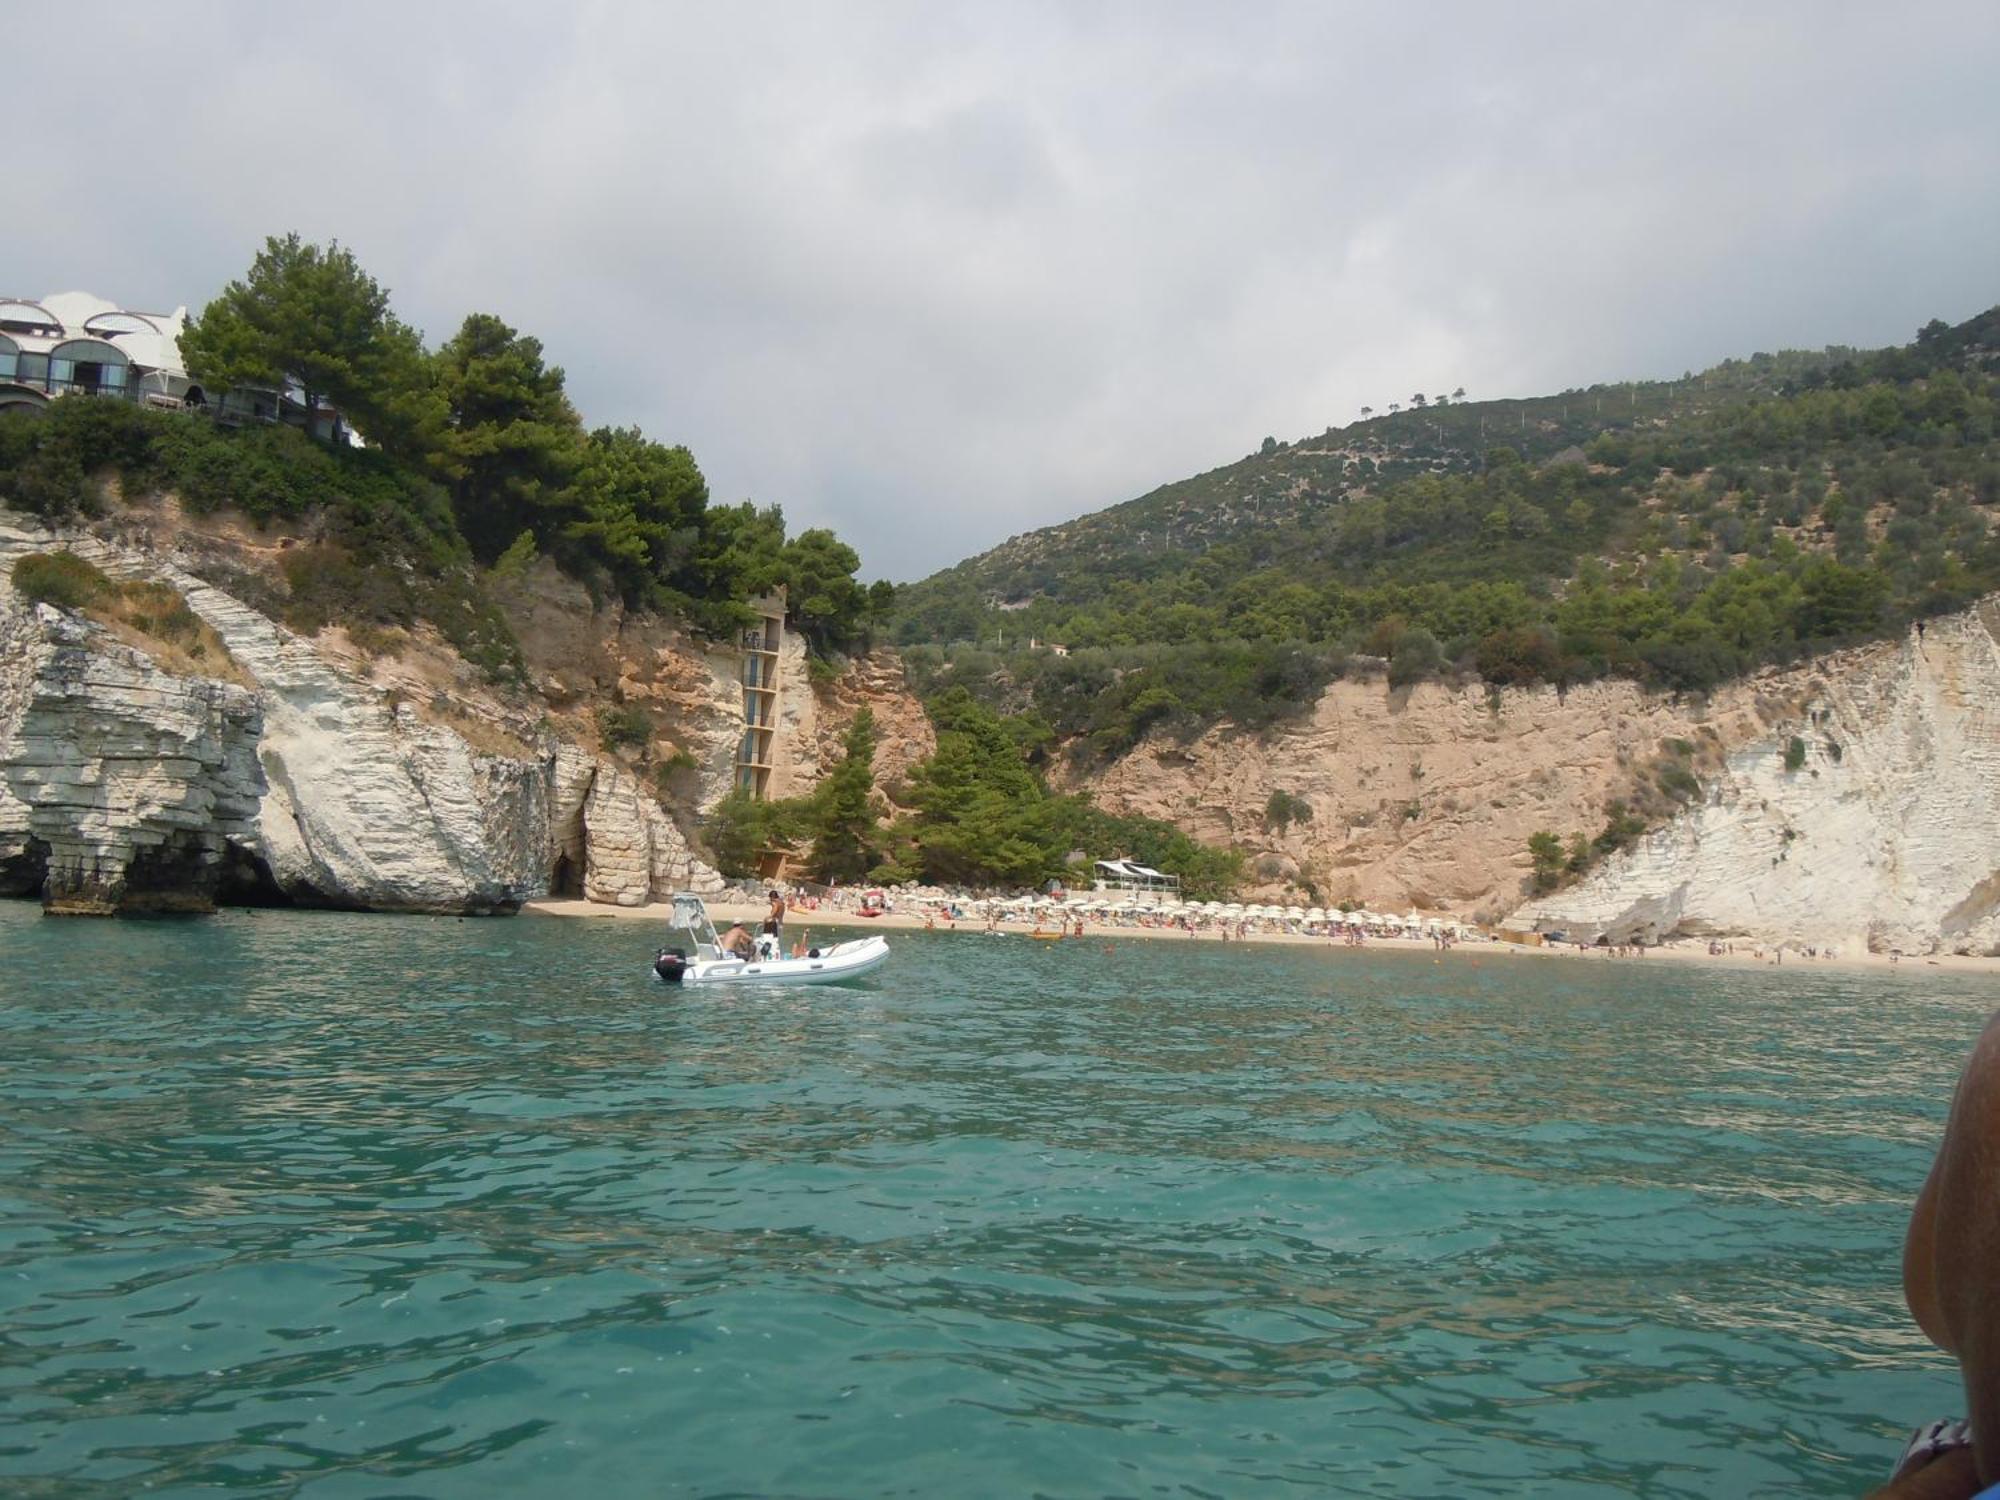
(827, 920)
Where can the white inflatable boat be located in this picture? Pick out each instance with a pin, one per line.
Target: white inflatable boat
(702, 960)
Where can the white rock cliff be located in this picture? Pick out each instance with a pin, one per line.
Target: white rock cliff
(119, 781)
(1880, 832)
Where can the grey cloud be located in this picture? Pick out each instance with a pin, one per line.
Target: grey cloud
(935, 275)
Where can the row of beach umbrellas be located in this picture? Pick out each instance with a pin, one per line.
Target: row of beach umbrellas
(1226, 911)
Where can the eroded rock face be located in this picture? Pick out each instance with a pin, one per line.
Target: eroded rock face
(1423, 797)
(1883, 835)
(903, 733)
(123, 786)
(1886, 836)
(583, 654)
(633, 852)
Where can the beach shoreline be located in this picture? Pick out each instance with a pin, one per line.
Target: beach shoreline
(751, 913)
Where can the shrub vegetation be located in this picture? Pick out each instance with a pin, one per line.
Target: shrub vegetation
(1676, 532)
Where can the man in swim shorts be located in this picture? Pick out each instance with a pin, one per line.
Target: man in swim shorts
(1951, 1276)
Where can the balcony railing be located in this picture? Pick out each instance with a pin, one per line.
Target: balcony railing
(51, 385)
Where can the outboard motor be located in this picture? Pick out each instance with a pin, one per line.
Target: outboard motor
(671, 965)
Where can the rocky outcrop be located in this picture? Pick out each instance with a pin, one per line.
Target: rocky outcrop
(1883, 835)
(1424, 796)
(583, 654)
(1868, 820)
(122, 786)
(903, 733)
(628, 851)
(127, 786)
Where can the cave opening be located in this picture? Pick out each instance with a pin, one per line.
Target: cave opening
(246, 880)
(23, 873)
(566, 878)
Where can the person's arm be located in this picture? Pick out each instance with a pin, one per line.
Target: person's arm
(1951, 1258)
(1950, 1477)
(1968, 1244)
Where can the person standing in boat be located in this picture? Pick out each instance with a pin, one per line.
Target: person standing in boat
(774, 919)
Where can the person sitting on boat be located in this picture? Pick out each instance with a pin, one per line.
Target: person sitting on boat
(1953, 1289)
(803, 947)
(738, 943)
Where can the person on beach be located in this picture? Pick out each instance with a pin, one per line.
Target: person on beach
(1951, 1279)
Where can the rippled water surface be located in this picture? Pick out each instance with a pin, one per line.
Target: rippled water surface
(361, 1206)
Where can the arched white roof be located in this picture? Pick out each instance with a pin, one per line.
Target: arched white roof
(111, 324)
(14, 311)
(90, 349)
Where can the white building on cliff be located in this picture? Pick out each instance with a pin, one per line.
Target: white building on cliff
(78, 344)
(73, 343)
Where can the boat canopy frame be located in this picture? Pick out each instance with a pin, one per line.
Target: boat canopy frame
(691, 915)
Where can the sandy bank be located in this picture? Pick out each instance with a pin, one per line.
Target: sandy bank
(751, 913)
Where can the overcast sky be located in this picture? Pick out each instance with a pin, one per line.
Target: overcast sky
(935, 274)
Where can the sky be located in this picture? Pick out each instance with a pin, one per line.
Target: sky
(936, 274)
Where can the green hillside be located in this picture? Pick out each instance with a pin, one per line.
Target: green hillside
(1678, 532)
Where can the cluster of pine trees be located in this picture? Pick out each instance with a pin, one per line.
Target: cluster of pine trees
(979, 814)
(475, 455)
(486, 416)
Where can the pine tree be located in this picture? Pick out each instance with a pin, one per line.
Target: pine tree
(313, 315)
(845, 834)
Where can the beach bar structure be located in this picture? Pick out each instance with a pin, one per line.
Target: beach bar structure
(1131, 878)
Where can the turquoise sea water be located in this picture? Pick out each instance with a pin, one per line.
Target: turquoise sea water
(365, 1206)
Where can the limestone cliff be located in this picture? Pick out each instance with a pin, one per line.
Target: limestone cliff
(583, 654)
(1877, 829)
(903, 733)
(330, 780)
(122, 786)
(1424, 796)
(1428, 796)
